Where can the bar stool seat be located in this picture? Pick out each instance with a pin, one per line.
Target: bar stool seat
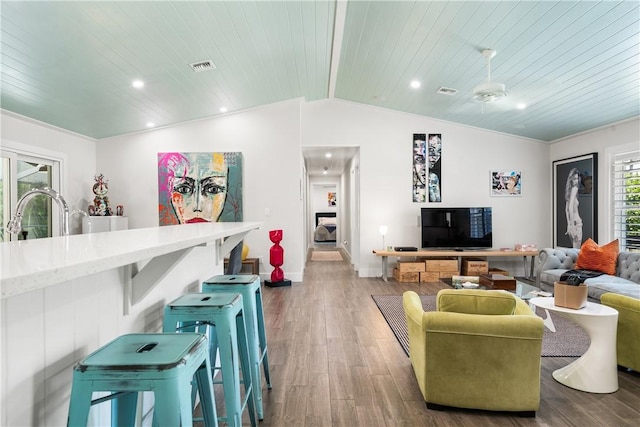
(163, 363)
(248, 285)
(222, 314)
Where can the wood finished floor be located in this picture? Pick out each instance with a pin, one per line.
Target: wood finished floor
(335, 362)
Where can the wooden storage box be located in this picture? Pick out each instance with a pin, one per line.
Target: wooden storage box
(441, 264)
(498, 281)
(569, 296)
(429, 276)
(498, 271)
(474, 267)
(410, 266)
(413, 276)
(448, 274)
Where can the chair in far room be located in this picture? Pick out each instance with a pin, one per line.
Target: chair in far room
(480, 349)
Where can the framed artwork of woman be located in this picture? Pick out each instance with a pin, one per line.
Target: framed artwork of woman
(199, 187)
(575, 200)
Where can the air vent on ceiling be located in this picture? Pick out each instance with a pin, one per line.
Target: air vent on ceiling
(202, 66)
(447, 91)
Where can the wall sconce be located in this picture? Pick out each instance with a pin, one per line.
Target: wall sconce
(383, 231)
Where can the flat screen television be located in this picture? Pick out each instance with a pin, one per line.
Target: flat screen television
(456, 228)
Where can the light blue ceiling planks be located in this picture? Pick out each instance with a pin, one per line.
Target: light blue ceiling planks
(71, 64)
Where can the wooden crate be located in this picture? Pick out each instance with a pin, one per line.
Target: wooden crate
(448, 274)
(412, 276)
(474, 267)
(498, 271)
(498, 281)
(410, 266)
(441, 264)
(249, 266)
(429, 276)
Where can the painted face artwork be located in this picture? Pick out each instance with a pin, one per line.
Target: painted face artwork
(199, 189)
(435, 149)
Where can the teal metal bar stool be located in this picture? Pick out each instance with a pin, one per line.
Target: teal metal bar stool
(222, 315)
(163, 363)
(248, 285)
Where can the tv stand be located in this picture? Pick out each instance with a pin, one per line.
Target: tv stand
(459, 254)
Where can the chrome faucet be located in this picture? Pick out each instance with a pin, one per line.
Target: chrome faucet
(15, 225)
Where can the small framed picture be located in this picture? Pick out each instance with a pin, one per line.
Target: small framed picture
(506, 183)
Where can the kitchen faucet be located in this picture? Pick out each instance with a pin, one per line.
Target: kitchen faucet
(15, 225)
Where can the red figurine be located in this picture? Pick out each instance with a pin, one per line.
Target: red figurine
(276, 259)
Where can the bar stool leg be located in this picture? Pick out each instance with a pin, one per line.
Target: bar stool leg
(246, 367)
(123, 409)
(230, 375)
(79, 405)
(262, 336)
(207, 399)
(169, 410)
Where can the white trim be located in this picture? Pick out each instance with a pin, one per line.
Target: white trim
(59, 181)
(610, 154)
(55, 159)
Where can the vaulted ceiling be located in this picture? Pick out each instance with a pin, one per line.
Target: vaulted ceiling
(574, 64)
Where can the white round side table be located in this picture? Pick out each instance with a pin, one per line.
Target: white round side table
(596, 371)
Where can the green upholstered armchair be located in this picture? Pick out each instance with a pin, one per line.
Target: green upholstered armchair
(628, 339)
(480, 349)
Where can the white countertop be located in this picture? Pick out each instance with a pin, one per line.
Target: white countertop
(28, 265)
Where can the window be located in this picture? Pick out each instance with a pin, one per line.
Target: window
(20, 172)
(626, 199)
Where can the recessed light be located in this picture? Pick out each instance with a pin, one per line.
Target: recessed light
(521, 106)
(150, 124)
(137, 84)
(328, 155)
(415, 84)
(324, 172)
(223, 109)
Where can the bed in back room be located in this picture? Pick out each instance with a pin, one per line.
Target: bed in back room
(325, 227)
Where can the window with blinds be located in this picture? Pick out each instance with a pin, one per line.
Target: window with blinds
(626, 200)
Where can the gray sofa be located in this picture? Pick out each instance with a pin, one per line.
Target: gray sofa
(552, 262)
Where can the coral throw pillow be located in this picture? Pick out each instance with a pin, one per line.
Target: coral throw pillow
(598, 258)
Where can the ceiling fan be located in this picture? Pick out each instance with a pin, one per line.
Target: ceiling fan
(489, 91)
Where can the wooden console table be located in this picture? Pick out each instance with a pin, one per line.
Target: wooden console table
(458, 254)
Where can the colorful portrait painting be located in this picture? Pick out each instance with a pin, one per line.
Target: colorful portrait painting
(506, 183)
(331, 198)
(199, 187)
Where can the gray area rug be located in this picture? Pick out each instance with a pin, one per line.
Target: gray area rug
(570, 340)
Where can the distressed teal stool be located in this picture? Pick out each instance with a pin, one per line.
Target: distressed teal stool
(222, 315)
(248, 285)
(163, 363)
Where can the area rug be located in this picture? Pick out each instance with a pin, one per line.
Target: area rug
(326, 256)
(569, 340)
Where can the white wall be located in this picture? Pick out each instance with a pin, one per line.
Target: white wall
(601, 141)
(469, 154)
(268, 137)
(79, 153)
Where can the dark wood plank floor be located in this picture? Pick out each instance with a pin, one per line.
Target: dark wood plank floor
(335, 362)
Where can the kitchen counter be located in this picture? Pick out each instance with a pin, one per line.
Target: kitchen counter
(28, 265)
(64, 297)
